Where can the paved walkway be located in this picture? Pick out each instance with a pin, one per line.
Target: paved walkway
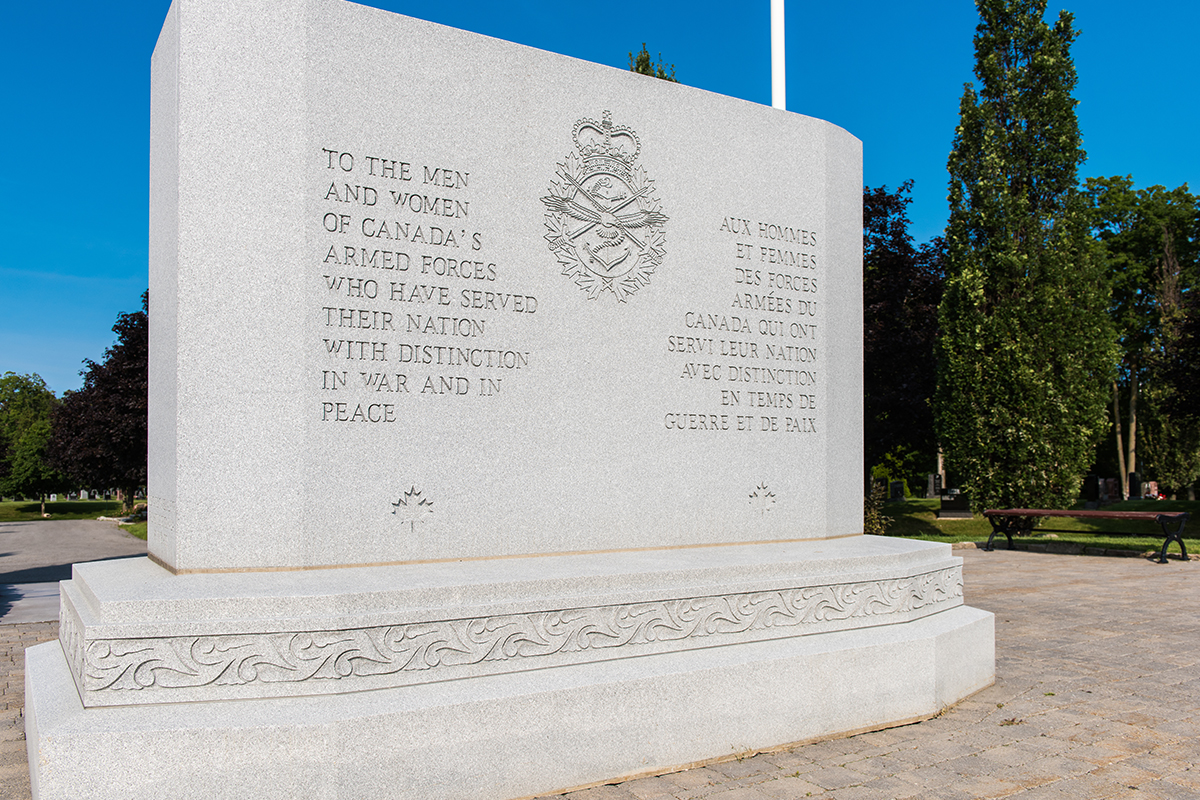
(35, 556)
(1097, 695)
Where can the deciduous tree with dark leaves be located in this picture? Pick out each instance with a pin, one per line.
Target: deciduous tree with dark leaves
(99, 434)
(902, 286)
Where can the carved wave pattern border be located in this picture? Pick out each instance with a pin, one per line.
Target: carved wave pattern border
(409, 653)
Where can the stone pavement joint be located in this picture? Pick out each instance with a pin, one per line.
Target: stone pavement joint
(1097, 696)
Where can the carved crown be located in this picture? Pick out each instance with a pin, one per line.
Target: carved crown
(605, 147)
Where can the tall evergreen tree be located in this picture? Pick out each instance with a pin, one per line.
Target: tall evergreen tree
(1027, 349)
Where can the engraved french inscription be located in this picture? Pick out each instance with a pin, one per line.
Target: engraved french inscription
(758, 355)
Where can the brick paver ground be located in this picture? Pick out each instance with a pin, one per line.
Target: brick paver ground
(14, 767)
(1097, 695)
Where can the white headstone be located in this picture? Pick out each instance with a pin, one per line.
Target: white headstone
(521, 391)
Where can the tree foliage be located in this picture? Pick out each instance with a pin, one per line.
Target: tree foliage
(1181, 363)
(642, 65)
(1150, 240)
(902, 286)
(26, 405)
(1026, 351)
(1176, 455)
(100, 431)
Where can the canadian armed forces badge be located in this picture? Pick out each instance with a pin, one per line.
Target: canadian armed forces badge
(603, 220)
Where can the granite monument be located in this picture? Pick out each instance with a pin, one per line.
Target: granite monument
(505, 434)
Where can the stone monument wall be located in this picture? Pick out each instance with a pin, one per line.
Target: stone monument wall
(505, 435)
(504, 303)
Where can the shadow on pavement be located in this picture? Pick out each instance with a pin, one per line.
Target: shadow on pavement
(45, 574)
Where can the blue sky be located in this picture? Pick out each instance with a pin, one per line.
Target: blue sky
(75, 135)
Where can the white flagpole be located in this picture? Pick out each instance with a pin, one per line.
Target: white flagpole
(778, 62)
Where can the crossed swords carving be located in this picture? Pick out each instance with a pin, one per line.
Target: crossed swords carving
(607, 218)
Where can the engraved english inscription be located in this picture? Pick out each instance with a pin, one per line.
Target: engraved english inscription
(412, 307)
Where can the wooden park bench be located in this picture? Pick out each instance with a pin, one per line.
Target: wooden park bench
(1021, 521)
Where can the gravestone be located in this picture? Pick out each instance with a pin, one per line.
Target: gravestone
(955, 505)
(505, 415)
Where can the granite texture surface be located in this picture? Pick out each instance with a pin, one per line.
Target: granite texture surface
(585, 722)
(505, 420)
(1077, 709)
(133, 633)
(507, 304)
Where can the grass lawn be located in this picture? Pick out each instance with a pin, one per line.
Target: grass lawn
(26, 510)
(136, 529)
(917, 519)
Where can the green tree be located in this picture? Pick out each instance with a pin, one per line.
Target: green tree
(100, 431)
(1181, 362)
(1149, 240)
(1178, 369)
(642, 65)
(1026, 351)
(26, 405)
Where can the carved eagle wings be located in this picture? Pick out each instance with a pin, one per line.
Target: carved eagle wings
(635, 219)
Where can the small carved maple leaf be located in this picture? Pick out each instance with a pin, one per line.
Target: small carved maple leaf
(411, 506)
(762, 497)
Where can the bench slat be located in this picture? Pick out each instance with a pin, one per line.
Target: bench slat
(1010, 521)
(1042, 512)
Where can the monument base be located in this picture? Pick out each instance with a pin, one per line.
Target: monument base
(691, 681)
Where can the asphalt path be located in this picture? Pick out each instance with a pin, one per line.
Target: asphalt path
(35, 556)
